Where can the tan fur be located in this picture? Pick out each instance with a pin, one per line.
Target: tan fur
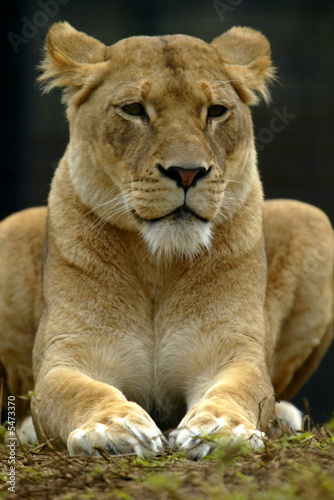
(22, 237)
(153, 312)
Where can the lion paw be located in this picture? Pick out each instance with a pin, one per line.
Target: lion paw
(26, 431)
(120, 437)
(198, 441)
(287, 419)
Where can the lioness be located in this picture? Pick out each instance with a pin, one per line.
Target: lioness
(173, 296)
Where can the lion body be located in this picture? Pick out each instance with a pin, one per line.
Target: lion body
(165, 302)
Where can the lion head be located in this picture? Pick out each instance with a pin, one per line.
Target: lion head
(161, 138)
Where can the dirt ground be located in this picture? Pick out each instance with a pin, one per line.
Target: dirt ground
(289, 467)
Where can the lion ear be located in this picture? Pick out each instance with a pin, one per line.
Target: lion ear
(71, 59)
(246, 56)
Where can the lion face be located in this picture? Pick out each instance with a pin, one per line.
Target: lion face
(158, 132)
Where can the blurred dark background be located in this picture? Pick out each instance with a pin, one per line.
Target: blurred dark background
(295, 162)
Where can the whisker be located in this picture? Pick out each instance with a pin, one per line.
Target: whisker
(116, 210)
(229, 181)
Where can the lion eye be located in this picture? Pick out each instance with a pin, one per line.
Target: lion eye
(134, 109)
(216, 110)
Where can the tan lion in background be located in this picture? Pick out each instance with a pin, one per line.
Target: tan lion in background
(173, 296)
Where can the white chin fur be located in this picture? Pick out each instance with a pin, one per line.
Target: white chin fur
(167, 238)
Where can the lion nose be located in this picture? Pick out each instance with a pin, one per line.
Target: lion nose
(184, 177)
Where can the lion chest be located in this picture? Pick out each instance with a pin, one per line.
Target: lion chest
(163, 346)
